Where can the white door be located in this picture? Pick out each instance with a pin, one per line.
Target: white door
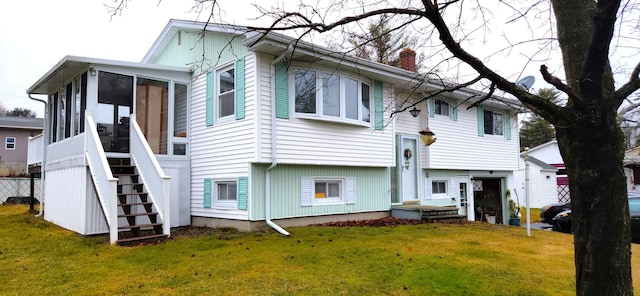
(409, 167)
(465, 197)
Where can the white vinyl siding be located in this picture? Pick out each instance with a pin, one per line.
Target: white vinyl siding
(318, 142)
(229, 146)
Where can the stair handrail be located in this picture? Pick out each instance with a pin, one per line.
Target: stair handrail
(105, 184)
(156, 183)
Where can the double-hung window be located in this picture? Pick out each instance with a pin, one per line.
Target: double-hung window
(331, 96)
(493, 123)
(226, 92)
(438, 187)
(10, 143)
(441, 107)
(226, 193)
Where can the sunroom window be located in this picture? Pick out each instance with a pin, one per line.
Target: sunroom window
(331, 96)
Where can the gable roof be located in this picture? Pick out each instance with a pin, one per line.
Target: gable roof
(16, 122)
(291, 48)
(543, 165)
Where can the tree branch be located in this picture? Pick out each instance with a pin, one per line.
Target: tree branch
(631, 86)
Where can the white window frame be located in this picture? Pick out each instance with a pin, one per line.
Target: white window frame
(493, 123)
(442, 103)
(219, 93)
(10, 141)
(347, 191)
(227, 203)
(440, 194)
(361, 120)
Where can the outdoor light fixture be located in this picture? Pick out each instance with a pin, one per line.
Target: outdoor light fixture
(92, 71)
(414, 112)
(427, 136)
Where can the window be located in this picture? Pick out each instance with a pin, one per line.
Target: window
(493, 123)
(226, 193)
(10, 143)
(441, 107)
(226, 95)
(331, 96)
(328, 191)
(439, 187)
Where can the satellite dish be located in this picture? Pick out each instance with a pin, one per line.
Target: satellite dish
(526, 82)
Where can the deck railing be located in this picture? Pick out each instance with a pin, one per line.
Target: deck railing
(155, 181)
(106, 185)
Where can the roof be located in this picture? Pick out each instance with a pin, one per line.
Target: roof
(69, 66)
(540, 163)
(292, 48)
(16, 122)
(543, 145)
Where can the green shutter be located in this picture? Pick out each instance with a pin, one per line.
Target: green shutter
(379, 104)
(432, 107)
(507, 125)
(454, 106)
(211, 78)
(480, 121)
(243, 186)
(207, 193)
(240, 89)
(282, 90)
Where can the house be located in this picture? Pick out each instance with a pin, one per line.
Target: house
(15, 133)
(248, 130)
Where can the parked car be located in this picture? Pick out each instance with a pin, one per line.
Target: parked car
(562, 221)
(549, 211)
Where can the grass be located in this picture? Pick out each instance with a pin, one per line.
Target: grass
(39, 258)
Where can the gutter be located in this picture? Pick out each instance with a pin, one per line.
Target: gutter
(274, 150)
(45, 135)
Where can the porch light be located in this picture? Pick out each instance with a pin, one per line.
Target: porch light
(427, 136)
(414, 112)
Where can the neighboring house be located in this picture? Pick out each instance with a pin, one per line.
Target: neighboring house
(260, 133)
(550, 153)
(14, 134)
(543, 188)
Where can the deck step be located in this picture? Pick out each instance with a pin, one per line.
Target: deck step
(136, 204)
(127, 227)
(137, 215)
(136, 240)
(132, 193)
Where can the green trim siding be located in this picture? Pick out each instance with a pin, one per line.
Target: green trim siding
(480, 121)
(186, 49)
(242, 194)
(372, 190)
(507, 132)
(240, 89)
(378, 98)
(207, 193)
(209, 104)
(282, 90)
(432, 107)
(454, 104)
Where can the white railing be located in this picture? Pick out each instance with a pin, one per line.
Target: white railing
(106, 185)
(35, 149)
(155, 181)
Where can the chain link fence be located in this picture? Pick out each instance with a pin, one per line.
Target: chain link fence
(18, 187)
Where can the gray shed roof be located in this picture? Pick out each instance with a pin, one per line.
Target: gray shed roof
(21, 122)
(541, 164)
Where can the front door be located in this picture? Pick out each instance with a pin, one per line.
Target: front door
(409, 168)
(465, 199)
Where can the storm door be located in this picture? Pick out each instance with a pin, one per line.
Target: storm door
(115, 102)
(409, 168)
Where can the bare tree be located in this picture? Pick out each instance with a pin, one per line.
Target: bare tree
(589, 136)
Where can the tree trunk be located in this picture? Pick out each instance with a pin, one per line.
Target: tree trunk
(592, 147)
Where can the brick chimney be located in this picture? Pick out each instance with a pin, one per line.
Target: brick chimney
(408, 59)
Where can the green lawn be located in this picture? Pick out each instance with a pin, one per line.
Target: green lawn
(39, 258)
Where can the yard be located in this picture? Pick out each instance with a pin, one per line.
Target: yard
(39, 258)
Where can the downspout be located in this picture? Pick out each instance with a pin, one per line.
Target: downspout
(274, 150)
(44, 153)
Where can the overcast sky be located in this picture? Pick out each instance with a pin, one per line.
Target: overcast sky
(37, 34)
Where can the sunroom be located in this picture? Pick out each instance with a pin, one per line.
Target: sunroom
(116, 156)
